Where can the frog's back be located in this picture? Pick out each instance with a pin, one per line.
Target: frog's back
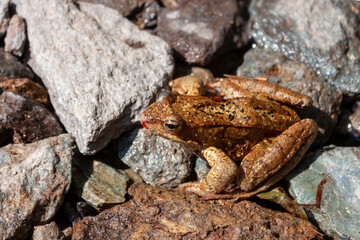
(237, 112)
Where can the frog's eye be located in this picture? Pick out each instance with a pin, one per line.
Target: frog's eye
(172, 125)
(163, 94)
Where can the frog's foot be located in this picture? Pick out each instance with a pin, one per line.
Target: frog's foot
(270, 161)
(194, 187)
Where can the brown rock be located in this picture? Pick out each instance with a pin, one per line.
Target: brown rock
(11, 67)
(355, 119)
(48, 231)
(4, 16)
(160, 213)
(197, 30)
(30, 120)
(16, 36)
(26, 88)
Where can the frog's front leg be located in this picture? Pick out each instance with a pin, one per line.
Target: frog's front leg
(268, 163)
(222, 173)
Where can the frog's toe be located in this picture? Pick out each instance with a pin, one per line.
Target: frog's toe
(192, 187)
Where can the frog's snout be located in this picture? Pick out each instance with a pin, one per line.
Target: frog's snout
(143, 120)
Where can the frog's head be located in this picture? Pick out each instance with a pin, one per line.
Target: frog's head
(160, 118)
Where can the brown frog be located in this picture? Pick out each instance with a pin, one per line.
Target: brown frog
(251, 124)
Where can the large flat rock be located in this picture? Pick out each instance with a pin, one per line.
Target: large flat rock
(101, 70)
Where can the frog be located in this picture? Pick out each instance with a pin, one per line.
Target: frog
(249, 133)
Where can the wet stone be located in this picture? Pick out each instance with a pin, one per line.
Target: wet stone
(11, 67)
(29, 120)
(299, 31)
(157, 160)
(34, 179)
(101, 71)
(339, 213)
(199, 30)
(100, 185)
(160, 213)
(15, 39)
(298, 77)
(26, 88)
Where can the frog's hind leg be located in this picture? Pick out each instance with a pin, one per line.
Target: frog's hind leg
(270, 162)
(222, 173)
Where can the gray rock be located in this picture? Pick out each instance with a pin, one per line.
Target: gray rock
(29, 119)
(198, 30)
(48, 231)
(321, 34)
(298, 77)
(11, 67)
(16, 36)
(100, 185)
(101, 70)
(125, 7)
(157, 160)
(339, 214)
(33, 181)
(4, 16)
(201, 168)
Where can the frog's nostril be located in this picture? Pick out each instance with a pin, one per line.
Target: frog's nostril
(143, 120)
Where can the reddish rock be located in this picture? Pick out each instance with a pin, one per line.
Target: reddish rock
(27, 88)
(48, 231)
(16, 36)
(160, 213)
(29, 120)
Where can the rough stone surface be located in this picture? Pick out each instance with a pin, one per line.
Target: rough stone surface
(4, 16)
(33, 181)
(100, 70)
(201, 168)
(27, 88)
(355, 119)
(157, 160)
(16, 36)
(339, 214)
(48, 231)
(197, 30)
(29, 120)
(322, 34)
(100, 185)
(11, 67)
(298, 77)
(124, 7)
(159, 213)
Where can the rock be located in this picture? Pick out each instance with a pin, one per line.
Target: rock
(100, 185)
(355, 119)
(339, 214)
(298, 30)
(27, 88)
(4, 16)
(100, 70)
(201, 168)
(16, 36)
(11, 67)
(199, 30)
(160, 213)
(124, 7)
(148, 15)
(33, 181)
(298, 77)
(30, 120)
(48, 231)
(157, 160)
